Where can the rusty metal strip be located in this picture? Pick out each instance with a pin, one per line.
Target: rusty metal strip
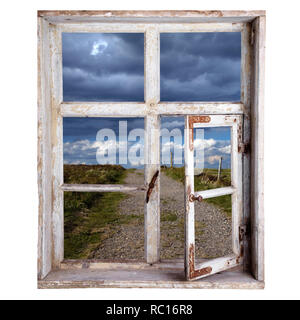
(151, 185)
(196, 273)
(192, 120)
(202, 272)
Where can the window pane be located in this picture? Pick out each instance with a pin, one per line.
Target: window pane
(200, 66)
(103, 66)
(103, 150)
(212, 158)
(104, 225)
(172, 188)
(213, 228)
(212, 216)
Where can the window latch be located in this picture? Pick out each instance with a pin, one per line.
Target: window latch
(242, 232)
(151, 185)
(193, 198)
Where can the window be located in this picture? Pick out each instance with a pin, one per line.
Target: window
(180, 74)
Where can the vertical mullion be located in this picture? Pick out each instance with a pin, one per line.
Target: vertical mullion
(189, 216)
(57, 148)
(152, 144)
(246, 57)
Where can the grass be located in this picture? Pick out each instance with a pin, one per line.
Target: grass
(91, 217)
(94, 174)
(204, 181)
(168, 216)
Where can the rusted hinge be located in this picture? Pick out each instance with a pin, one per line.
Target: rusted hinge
(244, 148)
(151, 185)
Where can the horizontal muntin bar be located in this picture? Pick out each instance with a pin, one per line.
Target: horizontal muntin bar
(140, 109)
(212, 193)
(103, 109)
(102, 187)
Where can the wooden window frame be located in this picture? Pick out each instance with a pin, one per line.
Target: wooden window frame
(193, 269)
(51, 110)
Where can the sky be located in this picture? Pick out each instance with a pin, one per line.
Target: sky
(103, 141)
(110, 67)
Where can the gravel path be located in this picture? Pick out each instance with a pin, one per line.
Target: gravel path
(213, 227)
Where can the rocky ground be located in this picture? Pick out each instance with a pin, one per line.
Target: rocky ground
(213, 227)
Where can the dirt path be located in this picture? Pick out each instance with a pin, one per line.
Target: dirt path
(213, 227)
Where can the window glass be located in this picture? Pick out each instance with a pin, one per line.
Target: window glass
(212, 158)
(103, 66)
(200, 66)
(103, 150)
(107, 226)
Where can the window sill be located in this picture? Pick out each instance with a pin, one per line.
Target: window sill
(140, 275)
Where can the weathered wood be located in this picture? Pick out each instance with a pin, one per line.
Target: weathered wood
(102, 188)
(152, 145)
(246, 70)
(129, 27)
(44, 152)
(217, 121)
(184, 16)
(103, 109)
(103, 27)
(212, 193)
(218, 265)
(214, 265)
(157, 278)
(57, 148)
(196, 108)
(140, 109)
(257, 152)
(237, 183)
(201, 27)
(50, 130)
(97, 264)
(189, 207)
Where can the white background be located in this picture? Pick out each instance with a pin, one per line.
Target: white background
(18, 125)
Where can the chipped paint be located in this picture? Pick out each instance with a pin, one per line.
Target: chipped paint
(192, 120)
(151, 109)
(196, 272)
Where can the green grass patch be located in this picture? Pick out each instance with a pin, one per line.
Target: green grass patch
(168, 216)
(205, 181)
(92, 217)
(94, 174)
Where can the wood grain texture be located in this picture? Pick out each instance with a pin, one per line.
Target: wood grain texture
(257, 154)
(156, 278)
(212, 193)
(102, 188)
(57, 147)
(51, 111)
(152, 145)
(220, 264)
(44, 152)
(246, 70)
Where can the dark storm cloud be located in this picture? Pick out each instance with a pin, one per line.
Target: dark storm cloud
(200, 66)
(103, 67)
(87, 128)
